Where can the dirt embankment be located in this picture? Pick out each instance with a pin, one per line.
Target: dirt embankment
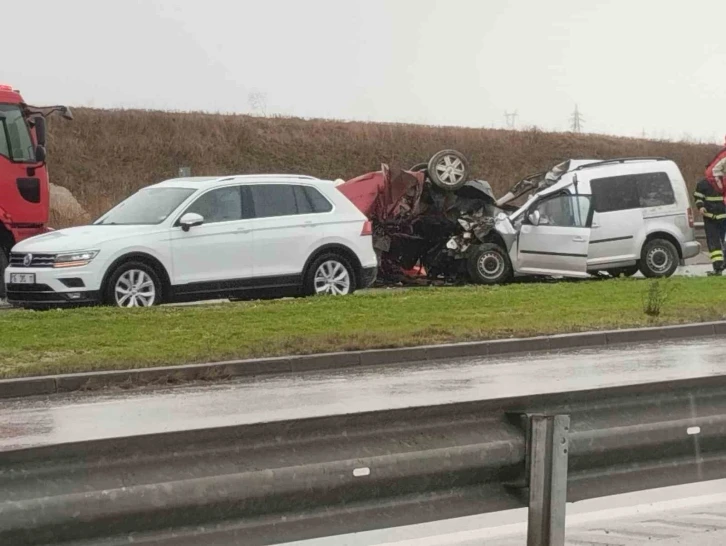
(103, 155)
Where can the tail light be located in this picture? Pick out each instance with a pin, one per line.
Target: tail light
(690, 217)
(367, 228)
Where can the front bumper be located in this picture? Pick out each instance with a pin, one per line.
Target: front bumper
(42, 295)
(54, 287)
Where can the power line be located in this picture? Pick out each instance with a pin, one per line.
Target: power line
(511, 118)
(576, 120)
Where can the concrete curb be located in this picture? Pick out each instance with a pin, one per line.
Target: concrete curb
(170, 375)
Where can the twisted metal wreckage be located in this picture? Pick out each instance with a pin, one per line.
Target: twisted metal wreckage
(428, 219)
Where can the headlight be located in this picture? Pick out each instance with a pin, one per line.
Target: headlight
(75, 259)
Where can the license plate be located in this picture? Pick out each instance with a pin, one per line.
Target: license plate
(22, 278)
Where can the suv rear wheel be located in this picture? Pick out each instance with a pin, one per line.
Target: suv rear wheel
(489, 264)
(330, 273)
(659, 258)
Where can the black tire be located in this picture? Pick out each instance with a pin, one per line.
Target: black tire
(489, 264)
(109, 297)
(448, 169)
(659, 258)
(3, 267)
(309, 282)
(419, 167)
(624, 271)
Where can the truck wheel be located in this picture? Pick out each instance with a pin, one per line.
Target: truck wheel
(624, 271)
(448, 169)
(3, 266)
(489, 264)
(659, 258)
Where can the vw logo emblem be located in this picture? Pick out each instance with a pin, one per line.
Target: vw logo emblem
(28, 260)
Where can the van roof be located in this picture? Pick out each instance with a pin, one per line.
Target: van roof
(575, 165)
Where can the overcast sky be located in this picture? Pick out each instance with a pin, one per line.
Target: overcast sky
(632, 66)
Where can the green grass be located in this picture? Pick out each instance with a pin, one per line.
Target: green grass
(36, 343)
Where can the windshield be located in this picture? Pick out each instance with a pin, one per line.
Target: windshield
(148, 206)
(15, 141)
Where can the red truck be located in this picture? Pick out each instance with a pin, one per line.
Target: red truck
(24, 189)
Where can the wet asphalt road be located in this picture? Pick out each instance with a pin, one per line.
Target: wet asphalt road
(66, 418)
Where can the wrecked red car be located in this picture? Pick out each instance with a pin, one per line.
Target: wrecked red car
(426, 218)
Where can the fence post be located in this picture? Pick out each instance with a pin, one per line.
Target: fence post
(547, 471)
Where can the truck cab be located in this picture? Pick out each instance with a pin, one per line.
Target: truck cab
(24, 189)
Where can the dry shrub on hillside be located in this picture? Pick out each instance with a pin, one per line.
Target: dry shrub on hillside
(103, 156)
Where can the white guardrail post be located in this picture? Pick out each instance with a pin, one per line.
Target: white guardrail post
(547, 479)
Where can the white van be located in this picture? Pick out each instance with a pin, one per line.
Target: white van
(618, 216)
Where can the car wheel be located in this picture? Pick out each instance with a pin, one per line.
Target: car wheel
(659, 259)
(3, 267)
(489, 264)
(624, 271)
(133, 284)
(330, 274)
(448, 169)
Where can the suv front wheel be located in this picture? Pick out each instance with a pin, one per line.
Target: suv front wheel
(133, 284)
(659, 259)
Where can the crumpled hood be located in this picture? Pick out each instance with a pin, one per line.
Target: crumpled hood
(79, 238)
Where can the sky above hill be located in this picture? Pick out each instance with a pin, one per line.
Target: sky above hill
(634, 67)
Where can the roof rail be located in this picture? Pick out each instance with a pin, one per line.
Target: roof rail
(618, 160)
(297, 176)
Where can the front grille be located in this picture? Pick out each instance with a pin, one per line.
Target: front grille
(17, 259)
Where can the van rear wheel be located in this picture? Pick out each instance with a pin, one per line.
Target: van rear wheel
(659, 258)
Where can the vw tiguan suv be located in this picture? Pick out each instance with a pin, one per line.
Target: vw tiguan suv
(201, 238)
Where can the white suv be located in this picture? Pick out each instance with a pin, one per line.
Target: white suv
(202, 238)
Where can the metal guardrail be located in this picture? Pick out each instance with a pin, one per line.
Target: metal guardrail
(292, 480)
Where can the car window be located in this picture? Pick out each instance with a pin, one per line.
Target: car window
(655, 190)
(632, 191)
(274, 200)
(565, 210)
(220, 205)
(311, 201)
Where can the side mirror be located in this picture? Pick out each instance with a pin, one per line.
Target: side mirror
(40, 153)
(534, 218)
(66, 113)
(190, 220)
(40, 132)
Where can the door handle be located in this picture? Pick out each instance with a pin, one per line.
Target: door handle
(308, 223)
(578, 239)
(595, 225)
(243, 230)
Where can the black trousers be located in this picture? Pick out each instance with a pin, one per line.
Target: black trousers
(715, 233)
